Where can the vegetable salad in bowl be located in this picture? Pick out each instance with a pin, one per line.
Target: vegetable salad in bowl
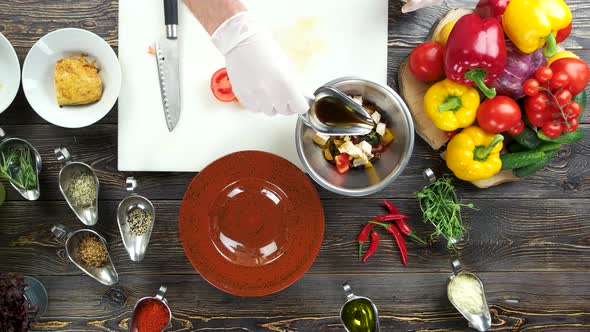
(356, 152)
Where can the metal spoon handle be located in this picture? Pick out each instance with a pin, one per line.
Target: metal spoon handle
(347, 291)
(63, 154)
(161, 292)
(59, 231)
(131, 184)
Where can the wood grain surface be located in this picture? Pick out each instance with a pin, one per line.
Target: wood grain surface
(529, 241)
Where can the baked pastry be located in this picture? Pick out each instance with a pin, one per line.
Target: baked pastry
(77, 81)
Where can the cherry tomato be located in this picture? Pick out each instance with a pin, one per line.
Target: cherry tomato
(426, 62)
(563, 97)
(538, 102)
(563, 34)
(576, 70)
(517, 129)
(537, 115)
(559, 80)
(552, 129)
(221, 86)
(531, 87)
(573, 126)
(451, 134)
(543, 74)
(498, 114)
(573, 110)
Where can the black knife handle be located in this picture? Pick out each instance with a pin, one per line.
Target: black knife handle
(171, 12)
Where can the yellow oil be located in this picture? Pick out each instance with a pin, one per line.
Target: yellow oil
(359, 316)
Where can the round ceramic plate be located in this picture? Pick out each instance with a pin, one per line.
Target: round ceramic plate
(39, 84)
(251, 223)
(9, 73)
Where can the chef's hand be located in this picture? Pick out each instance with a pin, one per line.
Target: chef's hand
(412, 5)
(261, 75)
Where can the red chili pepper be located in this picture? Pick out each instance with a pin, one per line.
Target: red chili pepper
(492, 8)
(401, 224)
(399, 240)
(476, 52)
(372, 246)
(363, 236)
(390, 207)
(390, 217)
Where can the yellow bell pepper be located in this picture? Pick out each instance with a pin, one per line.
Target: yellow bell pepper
(442, 37)
(530, 24)
(474, 154)
(451, 105)
(561, 55)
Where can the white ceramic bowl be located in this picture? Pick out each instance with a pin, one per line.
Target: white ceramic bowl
(9, 73)
(39, 84)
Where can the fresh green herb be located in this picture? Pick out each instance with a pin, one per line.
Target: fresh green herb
(16, 165)
(441, 209)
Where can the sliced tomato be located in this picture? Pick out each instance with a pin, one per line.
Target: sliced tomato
(221, 86)
(342, 163)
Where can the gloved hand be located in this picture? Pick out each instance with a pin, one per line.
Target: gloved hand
(412, 5)
(262, 77)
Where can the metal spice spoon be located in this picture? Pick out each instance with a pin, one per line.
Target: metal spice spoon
(87, 215)
(29, 194)
(107, 274)
(159, 297)
(135, 245)
(359, 120)
(483, 321)
(429, 176)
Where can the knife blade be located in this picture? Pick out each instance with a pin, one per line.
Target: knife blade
(168, 66)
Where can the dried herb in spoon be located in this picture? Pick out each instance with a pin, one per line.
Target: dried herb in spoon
(441, 209)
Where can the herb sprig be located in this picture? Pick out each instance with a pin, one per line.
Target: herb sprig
(442, 210)
(16, 165)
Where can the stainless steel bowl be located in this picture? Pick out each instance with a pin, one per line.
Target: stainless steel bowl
(394, 159)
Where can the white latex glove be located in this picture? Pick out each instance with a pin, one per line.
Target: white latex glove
(412, 5)
(261, 75)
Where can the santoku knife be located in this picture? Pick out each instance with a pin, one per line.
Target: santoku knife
(168, 65)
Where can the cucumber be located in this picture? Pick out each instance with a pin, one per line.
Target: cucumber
(548, 146)
(581, 99)
(528, 138)
(516, 147)
(532, 168)
(521, 159)
(563, 138)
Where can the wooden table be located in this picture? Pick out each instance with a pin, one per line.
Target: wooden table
(528, 241)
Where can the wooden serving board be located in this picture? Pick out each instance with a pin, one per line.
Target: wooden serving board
(413, 91)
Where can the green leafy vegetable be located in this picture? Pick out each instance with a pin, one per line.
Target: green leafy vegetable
(16, 165)
(441, 209)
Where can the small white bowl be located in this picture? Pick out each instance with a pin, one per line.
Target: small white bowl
(9, 73)
(39, 83)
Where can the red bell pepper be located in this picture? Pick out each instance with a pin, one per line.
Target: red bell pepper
(491, 8)
(476, 52)
(563, 34)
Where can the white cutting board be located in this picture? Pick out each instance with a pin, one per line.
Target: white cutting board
(326, 39)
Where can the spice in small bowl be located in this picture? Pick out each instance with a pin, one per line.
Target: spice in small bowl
(81, 189)
(92, 252)
(140, 221)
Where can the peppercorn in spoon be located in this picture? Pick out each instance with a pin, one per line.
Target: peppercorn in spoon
(136, 217)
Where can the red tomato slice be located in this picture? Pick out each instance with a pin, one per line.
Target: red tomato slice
(342, 163)
(221, 86)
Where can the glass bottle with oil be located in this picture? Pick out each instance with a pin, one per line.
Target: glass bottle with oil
(358, 314)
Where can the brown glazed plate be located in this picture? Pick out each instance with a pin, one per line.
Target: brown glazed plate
(251, 223)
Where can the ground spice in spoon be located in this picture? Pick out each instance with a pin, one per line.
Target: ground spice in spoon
(151, 315)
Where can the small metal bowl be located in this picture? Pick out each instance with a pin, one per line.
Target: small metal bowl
(136, 245)
(159, 297)
(394, 158)
(106, 275)
(31, 194)
(87, 215)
